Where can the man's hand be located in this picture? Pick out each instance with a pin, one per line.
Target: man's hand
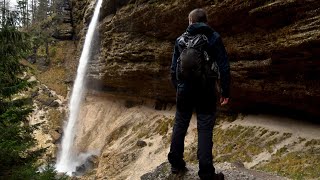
(224, 101)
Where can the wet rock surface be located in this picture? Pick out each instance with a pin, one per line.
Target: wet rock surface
(88, 164)
(273, 48)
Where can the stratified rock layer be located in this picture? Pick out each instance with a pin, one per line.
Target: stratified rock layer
(63, 29)
(273, 46)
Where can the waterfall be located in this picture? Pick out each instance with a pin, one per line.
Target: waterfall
(68, 160)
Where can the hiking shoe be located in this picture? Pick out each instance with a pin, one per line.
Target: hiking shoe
(214, 176)
(177, 170)
(218, 176)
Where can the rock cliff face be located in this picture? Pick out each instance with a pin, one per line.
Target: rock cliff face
(273, 46)
(63, 29)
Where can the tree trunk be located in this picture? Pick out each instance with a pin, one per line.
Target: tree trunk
(4, 12)
(27, 10)
(47, 51)
(32, 11)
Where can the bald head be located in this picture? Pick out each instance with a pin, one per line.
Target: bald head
(197, 15)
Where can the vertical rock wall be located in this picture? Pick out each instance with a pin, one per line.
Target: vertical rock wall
(273, 46)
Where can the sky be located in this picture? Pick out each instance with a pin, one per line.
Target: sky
(12, 3)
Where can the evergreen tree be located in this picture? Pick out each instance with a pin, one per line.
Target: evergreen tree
(33, 10)
(16, 141)
(42, 10)
(23, 10)
(4, 5)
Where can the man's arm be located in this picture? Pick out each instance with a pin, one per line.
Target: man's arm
(224, 68)
(175, 57)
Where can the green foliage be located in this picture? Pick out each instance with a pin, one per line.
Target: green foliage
(22, 9)
(295, 165)
(17, 153)
(13, 47)
(47, 173)
(243, 143)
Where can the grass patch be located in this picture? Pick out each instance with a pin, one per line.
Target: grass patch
(190, 154)
(141, 130)
(161, 126)
(281, 151)
(41, 52)
(239, 143)
(227, 116)
(313, 142)
(263, 132)
(54, 79)
(61, 62)
(118, 133)
(295, 165)
(55, 118)
(144, 133)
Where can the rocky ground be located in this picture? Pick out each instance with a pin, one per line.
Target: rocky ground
(132, 139)
(49, 113)
(230, 171)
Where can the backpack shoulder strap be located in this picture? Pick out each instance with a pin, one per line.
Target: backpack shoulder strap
(183, 39)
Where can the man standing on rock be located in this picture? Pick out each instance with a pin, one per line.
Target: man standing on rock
(199, 59)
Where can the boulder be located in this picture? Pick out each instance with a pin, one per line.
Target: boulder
(55, 136)
(141, 143)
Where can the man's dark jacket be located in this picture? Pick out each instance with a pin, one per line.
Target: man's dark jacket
(216, 51)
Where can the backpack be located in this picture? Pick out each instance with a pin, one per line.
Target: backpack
(194, 63)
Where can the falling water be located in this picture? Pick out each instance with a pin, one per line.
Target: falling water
(68, 159)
